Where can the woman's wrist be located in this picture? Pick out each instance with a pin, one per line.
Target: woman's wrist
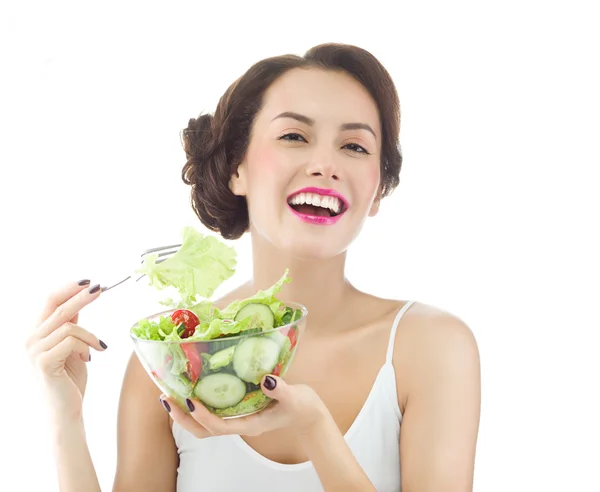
(63, 426)
(312, 427)
(326, 447)
(311, 418)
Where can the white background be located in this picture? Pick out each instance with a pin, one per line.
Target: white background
(495, 219)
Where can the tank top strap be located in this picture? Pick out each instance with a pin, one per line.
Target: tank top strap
(390, 349)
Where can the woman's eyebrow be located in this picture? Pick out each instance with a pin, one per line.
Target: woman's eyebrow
(310, 122)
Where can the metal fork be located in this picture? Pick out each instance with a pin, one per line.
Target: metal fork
(164, 253)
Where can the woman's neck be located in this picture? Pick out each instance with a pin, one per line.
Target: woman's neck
(320, 285)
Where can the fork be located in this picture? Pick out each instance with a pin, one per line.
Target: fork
(164, 253)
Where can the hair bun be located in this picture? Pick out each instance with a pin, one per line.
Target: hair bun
(197, 137)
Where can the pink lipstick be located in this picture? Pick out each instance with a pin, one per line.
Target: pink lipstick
(320, 219)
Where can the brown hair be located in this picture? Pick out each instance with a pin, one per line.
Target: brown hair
(216, 144)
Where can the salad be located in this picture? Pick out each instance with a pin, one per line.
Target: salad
(218, 356)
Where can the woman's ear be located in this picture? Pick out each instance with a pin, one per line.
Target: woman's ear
(375, 206)
(237, 182)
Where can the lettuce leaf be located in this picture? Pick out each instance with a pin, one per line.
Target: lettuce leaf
(218, 327)
(206, 311)
(198, 268)
(154, 330)
(262, 297)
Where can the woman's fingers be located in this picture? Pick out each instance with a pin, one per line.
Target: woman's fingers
(183, 419)
(66, 330)
(67, 310)
(60, 296)
(252, 425)
(52, 362)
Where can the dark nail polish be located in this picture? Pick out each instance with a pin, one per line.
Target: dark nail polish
(83, 282)
(190, 405)
(90, 357)
(94, 289)
(102, 344)
(166, 405)
(270, 383)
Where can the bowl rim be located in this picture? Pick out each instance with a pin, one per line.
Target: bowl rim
(295, 305)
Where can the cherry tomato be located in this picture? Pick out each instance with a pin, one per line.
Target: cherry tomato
(277, 370)
(189, 319)
(194, 365)
(292, 336)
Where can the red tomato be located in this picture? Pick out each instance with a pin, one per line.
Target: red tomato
(194, 365)
(189, 319)
(292, 336)
(277, 370)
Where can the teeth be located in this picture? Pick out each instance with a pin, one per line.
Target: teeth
(331, 202)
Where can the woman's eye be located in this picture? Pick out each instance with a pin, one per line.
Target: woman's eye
(292, 137)
(296, 137)
(357, 148)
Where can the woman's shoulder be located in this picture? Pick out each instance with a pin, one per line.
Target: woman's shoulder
(429, 330)
(431, 342)
(427, 321)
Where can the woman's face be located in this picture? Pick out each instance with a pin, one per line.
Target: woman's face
(318, 131)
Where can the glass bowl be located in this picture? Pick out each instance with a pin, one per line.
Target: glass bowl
(225, 373)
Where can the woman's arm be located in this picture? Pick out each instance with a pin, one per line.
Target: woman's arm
(438, 360)
(333, 460)
(147, 457)
(73, 461)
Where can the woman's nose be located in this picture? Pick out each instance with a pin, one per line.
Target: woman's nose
(323, 164)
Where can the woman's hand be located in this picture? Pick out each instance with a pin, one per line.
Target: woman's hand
(297, 406)
(59, 349)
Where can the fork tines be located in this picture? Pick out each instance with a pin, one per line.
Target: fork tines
(164, 252)
(161, 248)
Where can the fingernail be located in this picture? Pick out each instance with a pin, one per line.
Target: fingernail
(90, 357)
(83, 282)
(94, 289)
(190, 405)
(270, 383)
(166, 405)
(102, 344)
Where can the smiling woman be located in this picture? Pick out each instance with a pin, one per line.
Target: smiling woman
(383, 393)
(217, 144)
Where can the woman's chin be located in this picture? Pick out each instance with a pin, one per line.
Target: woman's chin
(315, 249)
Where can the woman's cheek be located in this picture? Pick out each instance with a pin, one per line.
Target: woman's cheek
(265, 175)
(370, 180)
(266, 160)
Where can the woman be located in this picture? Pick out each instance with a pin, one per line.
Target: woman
(290, 132)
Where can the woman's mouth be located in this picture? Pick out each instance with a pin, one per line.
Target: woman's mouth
(318, 206)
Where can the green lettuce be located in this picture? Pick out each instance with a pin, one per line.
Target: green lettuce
(217, 327)
(154, 330)
(262, 297)
(206, 311)
(198, 268)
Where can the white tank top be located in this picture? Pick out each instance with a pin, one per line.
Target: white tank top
(227, 463)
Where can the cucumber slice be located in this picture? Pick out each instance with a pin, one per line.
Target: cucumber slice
(220, 390)
(221, 359)
(286, 349)
(251, 403)
(254, 357)
(263, 316)
(277, 337)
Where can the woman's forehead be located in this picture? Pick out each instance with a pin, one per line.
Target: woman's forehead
(320, 95)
